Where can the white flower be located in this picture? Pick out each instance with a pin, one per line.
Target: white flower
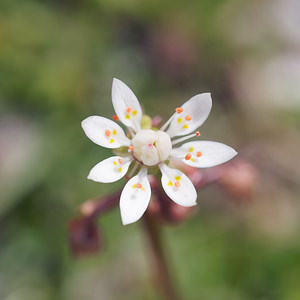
(147, 148)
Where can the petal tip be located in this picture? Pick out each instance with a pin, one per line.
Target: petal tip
(116, 81)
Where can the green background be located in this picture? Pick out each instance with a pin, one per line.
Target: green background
(57, 61)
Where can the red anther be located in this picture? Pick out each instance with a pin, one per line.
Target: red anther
(197, 133)
(128, 109)
(107, 132)
(188, 118)
(198, 154)
(179, 110)
(138, 185)
(177, 184)
(130, 148)
(115, 118)
(120, 161)
(188, 156)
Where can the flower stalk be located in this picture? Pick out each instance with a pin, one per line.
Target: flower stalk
(163, 279)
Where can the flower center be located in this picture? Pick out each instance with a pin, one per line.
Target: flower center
(150, 147)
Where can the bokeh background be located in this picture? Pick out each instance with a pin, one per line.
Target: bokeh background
(57, 61)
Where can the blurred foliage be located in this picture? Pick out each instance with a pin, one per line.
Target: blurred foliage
(57, 61)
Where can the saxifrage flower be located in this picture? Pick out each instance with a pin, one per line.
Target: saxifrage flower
(143, 147)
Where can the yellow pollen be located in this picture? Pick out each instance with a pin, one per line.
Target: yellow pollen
(185, 126)
(134, 112)
(134, 186)
(177, 184)
(198, 154)
(188, 156)
(170, 183)
(111, 141)
(107, 132)
(179, 110)
(177, 178)
(188, 117)
(179, 120)
(114, 132)
(115, 163)
(128, 109)
(127, 117)
(192, 159)
(191, 149)
(120, 169)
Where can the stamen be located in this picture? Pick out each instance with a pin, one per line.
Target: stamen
(128, 109)
(179, 120)
(177, 184)
(120, 169)
(115, 163)
(134, 112)
(177, 178)
(188, 156)
(130, 148)
(198, 154)
(179, 110)
(120, 161)
(188, 117)
(138, 185)
(127, 117)
(170, 183)
(111, 141)
(132, 171)
(185, 138)
(114, 132)
(163, 128)
(115, 118)
(185, 126)
(107, 132)
(191, 149)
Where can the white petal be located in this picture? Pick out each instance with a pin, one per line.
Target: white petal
(126, 105)
(197, 109)
(209, 153)
(178, 186)
(134, 198)
(110, 169)
(104, 132)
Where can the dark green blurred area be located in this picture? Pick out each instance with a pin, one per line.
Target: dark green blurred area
(57, 61)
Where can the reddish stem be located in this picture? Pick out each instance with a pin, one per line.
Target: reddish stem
(162, 277)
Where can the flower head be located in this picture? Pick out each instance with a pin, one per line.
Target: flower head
(146, 148)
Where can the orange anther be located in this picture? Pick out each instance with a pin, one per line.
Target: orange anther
(188, 117)
(107, 132)
(179, 110)
(115, 118)
(120, 160)
(130, 148)
(177, 184)
(197, 133)
(128, 109)
(198, 154)
(188, 156)
(138, 185)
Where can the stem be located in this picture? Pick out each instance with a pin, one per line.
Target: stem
(163, 279)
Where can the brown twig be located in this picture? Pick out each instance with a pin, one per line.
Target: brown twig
(162, 277)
